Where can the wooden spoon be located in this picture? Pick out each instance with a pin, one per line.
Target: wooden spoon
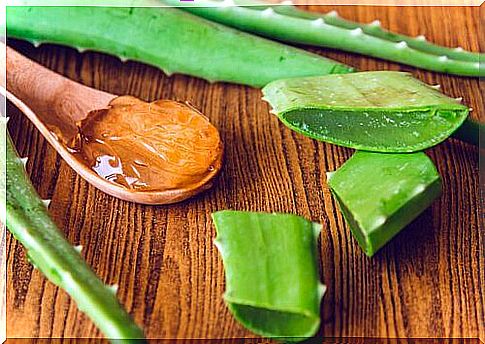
(48, 98)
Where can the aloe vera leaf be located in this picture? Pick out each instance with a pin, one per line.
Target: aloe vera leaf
(296, 26)
(373, 111)
(375, 29)
(272, 283)
(27, 219)
(168, 38)
(376, 211)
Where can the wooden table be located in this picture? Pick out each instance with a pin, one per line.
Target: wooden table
(428, 282)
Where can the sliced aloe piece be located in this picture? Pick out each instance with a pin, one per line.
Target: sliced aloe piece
(373, 111)
(272, 279)
(379, 194)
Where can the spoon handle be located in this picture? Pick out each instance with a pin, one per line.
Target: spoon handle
(30, 81)
(48, 93)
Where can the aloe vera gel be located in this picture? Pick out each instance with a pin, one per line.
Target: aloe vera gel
(384, 111)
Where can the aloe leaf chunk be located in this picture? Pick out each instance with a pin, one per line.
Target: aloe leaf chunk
(272, 279)
(374, 111)
(379, 194)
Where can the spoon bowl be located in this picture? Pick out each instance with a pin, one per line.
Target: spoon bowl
(49, 99)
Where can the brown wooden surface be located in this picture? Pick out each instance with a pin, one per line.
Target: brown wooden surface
(428, 282)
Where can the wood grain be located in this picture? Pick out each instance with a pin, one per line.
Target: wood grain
(428, 282)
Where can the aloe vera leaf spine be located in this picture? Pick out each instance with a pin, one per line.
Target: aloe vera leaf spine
(168, 38)
(270, 262)
(27, 219)
(376, 212)
(374, 28)
(323, 31)
(385, 111)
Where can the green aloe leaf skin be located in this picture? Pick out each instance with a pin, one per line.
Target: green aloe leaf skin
(290, 24)
(272, 279)
(47, 249)
(385, 111)
(170, 39)
(379, 194)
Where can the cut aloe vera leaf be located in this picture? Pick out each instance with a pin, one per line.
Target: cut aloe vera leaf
(272, 280)
(49, 251)
(373, 111)
(379, 194)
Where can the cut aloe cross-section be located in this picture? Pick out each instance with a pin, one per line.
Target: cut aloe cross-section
(379, 194)
(272, 279)
(373, 111)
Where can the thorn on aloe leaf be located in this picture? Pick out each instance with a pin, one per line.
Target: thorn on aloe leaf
(24, 160)
(113, 288)
(356, 32)
(375, 23)
(443, 58)
(402, 45)
(329, 175)
(332, 13)
(287, 2)
(459, 99)
(36, 44)
(436, 87)
(81, 50)
(123, 59)
(78, 248)
(459, 49)
(169, 73)
(421, 38)
(267, 12)
(47, 202)
(318, 22)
